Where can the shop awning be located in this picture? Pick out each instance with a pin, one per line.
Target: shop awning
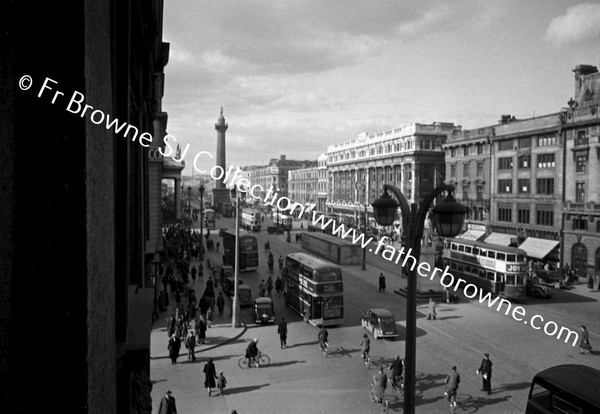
(471, 234)
(538, 248)
(500, 239)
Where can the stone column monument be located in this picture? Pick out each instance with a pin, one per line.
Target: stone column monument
(221, 195)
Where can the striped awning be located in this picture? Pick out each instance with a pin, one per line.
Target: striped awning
(471, 234)
(538, 248)
(500, 239)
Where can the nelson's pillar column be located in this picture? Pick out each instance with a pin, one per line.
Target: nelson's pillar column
(220, 192)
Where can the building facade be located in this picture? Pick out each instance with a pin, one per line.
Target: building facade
(409, 157)
(303, 185)
(275, 175)
(322, 183)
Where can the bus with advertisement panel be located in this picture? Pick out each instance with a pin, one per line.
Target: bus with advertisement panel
(251, 219)
(314, 288)
(497, 269)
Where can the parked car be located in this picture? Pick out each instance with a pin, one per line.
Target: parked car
(537, 290)
(245, 295)
(226, 271)
(550, 278)
(263, 310)
(380, 322)
(229, 285)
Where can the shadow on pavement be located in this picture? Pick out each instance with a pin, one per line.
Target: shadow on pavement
(512, 387)
(469, 404)
(449, 317)
(239, 390)
(302, 344)
(283, 364)
(341, 351)
(427, 381)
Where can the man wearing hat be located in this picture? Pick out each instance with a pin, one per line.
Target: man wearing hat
(167, 404)
(485, 369)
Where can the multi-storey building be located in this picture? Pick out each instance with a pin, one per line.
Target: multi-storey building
(581, 207)
(322, 182)
(275, 174)
(409, 157)
(468, 161)
(303, 185)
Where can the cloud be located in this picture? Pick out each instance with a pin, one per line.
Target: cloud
(580, 23)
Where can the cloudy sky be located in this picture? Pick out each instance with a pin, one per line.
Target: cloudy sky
(296, 76)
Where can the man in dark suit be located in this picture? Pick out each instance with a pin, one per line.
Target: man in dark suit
(167, 404)
(282, 331)
(485, 369)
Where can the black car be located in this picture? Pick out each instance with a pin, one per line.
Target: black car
(263, 310)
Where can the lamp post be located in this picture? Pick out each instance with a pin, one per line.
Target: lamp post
(448, 217)
(235, 304)
(362, 187)
(190, 201)
(201, 189)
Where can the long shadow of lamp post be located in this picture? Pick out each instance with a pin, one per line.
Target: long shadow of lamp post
(448, 217)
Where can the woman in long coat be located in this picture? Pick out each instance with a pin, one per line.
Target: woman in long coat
(584, 343)
(210, 374)
(174, 346)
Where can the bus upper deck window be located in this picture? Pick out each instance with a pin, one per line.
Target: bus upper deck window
(491, 254)
(476, 250)
(510, 257)
(501, 256)
(520, 258)
(453, 247)
(461, 248)
(468, 249)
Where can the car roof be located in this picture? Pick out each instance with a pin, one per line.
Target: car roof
(382, 312)
(263, 300)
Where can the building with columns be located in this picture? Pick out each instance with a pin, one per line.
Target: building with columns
(409, 157)
(321, 182)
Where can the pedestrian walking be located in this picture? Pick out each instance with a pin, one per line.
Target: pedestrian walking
(278, 286)
(210, 375)
(452, 381)
(209, 317)
(280, 260)
(432, 313)
(269, 286)
(584, 343)
(381, 283)
(167, 404)
(200, 329)
(174, 346)
(221, 383)
(194, 272)
(282, 331)
(220, 303)
(261, 288)
(485, 369)
(190, 344)
(218, 245)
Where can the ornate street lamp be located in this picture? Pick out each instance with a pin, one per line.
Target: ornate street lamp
(448, 218)
(362, 187)
(201, 189)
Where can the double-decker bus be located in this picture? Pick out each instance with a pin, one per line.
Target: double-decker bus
(314, 289)
(565, 389)
(248, 251)
(251, 219)
(282, 220)
(497, 269)
(209, 218)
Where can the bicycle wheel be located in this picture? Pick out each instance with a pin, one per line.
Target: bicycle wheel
(243, 362)
(263, 360)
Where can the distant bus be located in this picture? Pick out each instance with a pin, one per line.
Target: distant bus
(210, 218)
(570, 388)
(314, 288)
(248, 251)
(497, 269)
(282, 220)
(251, 219)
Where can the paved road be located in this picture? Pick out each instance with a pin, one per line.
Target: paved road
(301, 380)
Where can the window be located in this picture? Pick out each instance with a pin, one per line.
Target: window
(545, 161)
(525, 143)
(408, 145)
(453, 152)
(580, 224)
(466, 172)
(506, 145)
(465, 192)
(479, 169)
(505, 214)
(466, 151)
(426, 144)
(546, 141)
(453, 171)
(504, 186)
(582, 138)
(505, 163)
(545, 185)
(545, 215)
(479, 149)
(525, 161)
(580, 192)
(479, 192)
(580, 163)
(523, 215)
(523, 187)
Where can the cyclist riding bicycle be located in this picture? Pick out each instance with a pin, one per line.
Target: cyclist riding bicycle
(365, 346)
(252, 351)
(323, 337)
(379, 384)
(396, 367)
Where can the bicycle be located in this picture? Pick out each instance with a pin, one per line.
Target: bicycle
(366, 358)
(383, 402)
(397, 384)
(324, 347)
(261, 360)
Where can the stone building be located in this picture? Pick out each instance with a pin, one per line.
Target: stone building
(275, 175)
(409, 157)
(303, 185)
(79, 249)
(322, 183)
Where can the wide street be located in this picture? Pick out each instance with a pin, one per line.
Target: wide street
(301, 380)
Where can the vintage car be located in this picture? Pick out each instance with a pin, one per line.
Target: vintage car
(244, 295)
(263, 310)
(380, 322)
(550, 278)
(228, 286)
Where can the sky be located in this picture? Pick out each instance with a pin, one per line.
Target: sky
(296, 76)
